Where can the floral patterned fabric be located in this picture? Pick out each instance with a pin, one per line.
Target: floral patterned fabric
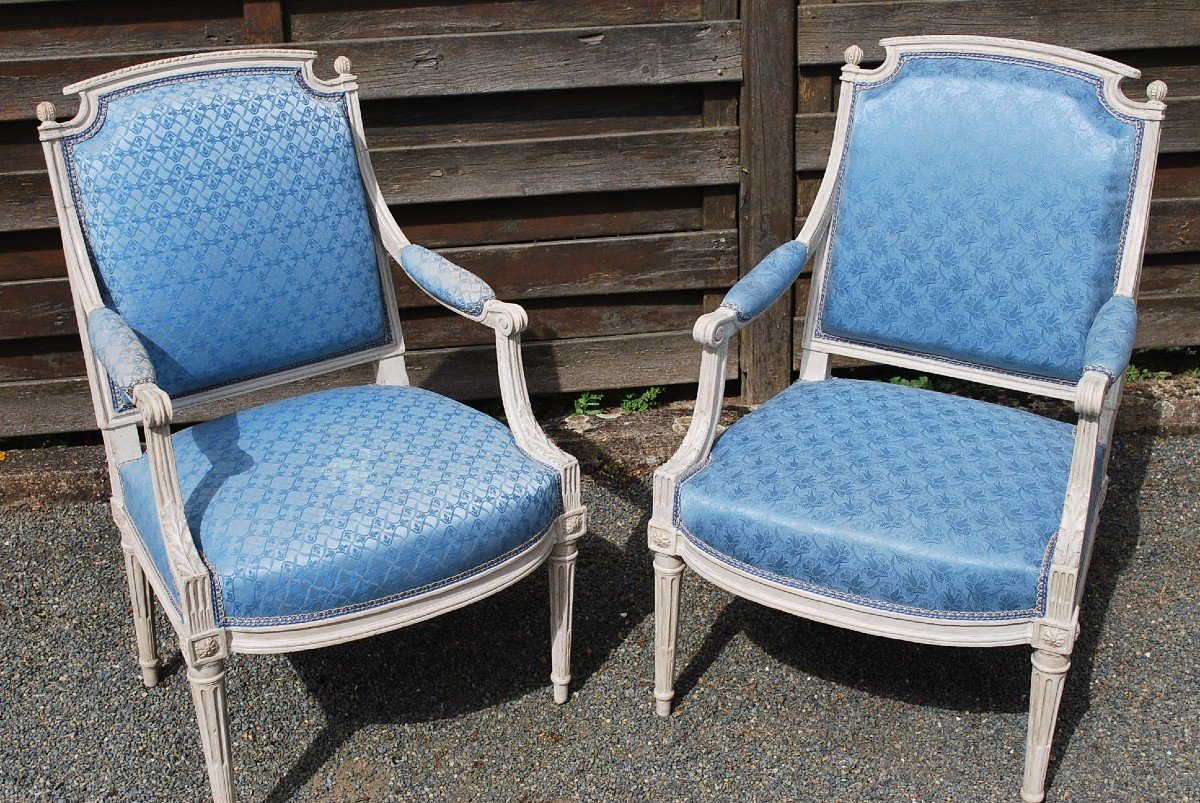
(1110, 341)
(120, 352)
(453, 286)
(759, 288)
(227, 224)
(887, 497)
(980, 213)
(346, 499)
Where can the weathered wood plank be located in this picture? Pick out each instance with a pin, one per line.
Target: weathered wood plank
(1180, 133)
(31, 255)
(44, 358)
(30, 32)
(602, 317)
(64, 405)
(25, 201)
(768, 184)
(264, 21)
(695, 157)
(602, 266)
(323, 20)
(1174, 226)
(551, 217)
(36, 308)
(532, 115)
(633, 55)
(825, 30)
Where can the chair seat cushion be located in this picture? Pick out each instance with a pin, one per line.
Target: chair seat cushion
(346, 499)
(889, 497)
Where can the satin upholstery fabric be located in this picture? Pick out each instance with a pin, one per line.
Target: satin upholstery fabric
(759, 288)
(980, 213)
(1110, 341)
(887, 496)
(227, 224)
(346, 499)
(454, 286)
(120, 352)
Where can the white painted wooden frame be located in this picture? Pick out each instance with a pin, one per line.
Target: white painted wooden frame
(1096, 399)
(205, 645)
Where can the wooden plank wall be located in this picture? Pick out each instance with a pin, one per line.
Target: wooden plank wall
(580, 155)
(613, 165)
(1159, 37)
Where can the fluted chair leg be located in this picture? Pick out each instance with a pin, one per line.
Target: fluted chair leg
(208, 693)
(562, 600)
(668, 571)
(1045, 694)
(141, 597)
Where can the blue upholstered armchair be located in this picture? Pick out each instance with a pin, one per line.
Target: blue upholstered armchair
(224, 232)
(982, 216)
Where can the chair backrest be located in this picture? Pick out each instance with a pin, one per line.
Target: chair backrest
(990, 196)
(223, 213)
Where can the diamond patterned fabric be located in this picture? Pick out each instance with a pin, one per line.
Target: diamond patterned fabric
(346, 499)
(980, 214)
(227, 224)
(888, 497)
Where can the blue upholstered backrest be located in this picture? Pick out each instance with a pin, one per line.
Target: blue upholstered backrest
(980, 214)
(227, 223)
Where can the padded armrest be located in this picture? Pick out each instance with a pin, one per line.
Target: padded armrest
(1110, 340)
(120, 351)
(453, 286)
(759, 288)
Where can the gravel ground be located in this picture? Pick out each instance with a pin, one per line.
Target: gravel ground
(770, 707)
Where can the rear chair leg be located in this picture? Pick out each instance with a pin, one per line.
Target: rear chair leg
(142, 598)
(1045, 694)
(668, 571)
(562, 600)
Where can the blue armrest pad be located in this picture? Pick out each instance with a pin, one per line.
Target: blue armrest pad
(120, 351)
(1110, 340)
(759, 288)
(453, 286)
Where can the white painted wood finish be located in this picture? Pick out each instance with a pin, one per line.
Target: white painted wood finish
(1096, 399)
(205, 646)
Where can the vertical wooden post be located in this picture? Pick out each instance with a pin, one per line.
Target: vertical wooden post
(768, 141)
(264, 21)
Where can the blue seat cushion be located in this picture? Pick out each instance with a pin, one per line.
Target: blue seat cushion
(888, 497)
(346, 499)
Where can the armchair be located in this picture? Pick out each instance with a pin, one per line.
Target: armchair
(224, 232)
(982, 216)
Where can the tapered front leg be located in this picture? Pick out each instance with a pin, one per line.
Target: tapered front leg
(668, 571)
(208, 694)
(562, 601)
(1045, 694)
(141, 597)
